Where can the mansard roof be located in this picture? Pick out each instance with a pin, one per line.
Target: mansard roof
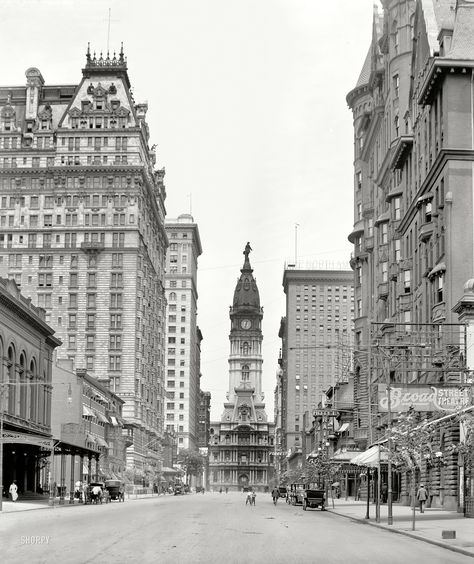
(462, 45)
(438, 15)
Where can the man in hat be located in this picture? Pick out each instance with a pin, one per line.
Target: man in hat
(422, 496)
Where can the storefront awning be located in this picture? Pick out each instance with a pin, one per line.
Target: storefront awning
(345, 455)
(371, 457)
(114, 421)
(167, 470)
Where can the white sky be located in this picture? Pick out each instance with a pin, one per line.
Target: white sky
(247, 107)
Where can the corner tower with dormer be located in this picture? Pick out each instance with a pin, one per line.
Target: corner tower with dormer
(242, 442)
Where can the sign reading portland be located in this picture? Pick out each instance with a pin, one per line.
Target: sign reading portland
(424, 398)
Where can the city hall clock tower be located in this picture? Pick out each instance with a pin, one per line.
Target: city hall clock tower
(242, 441)
(245, 359)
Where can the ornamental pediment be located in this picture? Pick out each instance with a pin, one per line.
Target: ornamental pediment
(46, 112)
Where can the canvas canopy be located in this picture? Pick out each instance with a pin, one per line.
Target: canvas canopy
(371, 456)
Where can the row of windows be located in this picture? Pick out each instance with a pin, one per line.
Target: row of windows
(74, 143)
(70, 240)
(68, 219)
(47, 261)
(93, 200)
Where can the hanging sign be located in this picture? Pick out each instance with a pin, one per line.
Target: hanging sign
(424, 397)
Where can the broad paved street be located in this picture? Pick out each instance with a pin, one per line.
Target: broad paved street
(210, 528)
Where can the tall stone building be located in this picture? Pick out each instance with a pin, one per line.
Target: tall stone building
(183, 353)
(413, 216)
(242, 442)
(317, 339)
(82, 233)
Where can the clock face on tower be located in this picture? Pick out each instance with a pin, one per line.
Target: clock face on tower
(246, 324)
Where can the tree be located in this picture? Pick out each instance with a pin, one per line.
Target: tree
(413, 444)
(191, 461)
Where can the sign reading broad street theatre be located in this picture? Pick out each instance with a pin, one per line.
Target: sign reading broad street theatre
(424, 397)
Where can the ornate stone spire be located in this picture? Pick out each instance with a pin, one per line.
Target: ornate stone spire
(246, 294)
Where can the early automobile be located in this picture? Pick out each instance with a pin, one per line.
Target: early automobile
(314, 498)
(115, 490)
(295, 494)
(178, 489)
(283, 490)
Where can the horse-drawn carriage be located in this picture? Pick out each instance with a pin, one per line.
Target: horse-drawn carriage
(95, 492)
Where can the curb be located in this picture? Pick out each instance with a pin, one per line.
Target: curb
(62, 506)
(406, 533)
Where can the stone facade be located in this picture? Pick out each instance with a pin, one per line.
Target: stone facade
(27, 347)
(413, 213)
(183, 352)
(82, 232)
(242, 442)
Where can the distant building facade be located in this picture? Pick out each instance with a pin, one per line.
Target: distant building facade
(241, 444)
(88, 426)
(317, 338)
(184, 337)
(82, 232)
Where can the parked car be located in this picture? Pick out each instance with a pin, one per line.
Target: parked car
(115, 489)
(314, 498)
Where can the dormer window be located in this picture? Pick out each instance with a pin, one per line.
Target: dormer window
(115, 104)
(7, 126)
(99, 104)
(29, 126)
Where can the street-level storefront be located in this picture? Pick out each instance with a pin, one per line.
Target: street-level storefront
(25, 456)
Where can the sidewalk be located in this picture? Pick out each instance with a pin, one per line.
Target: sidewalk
(428, 525)
(13, 507)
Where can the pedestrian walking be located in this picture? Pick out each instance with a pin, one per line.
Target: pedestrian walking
(13, 491)
(220, 490)
(275, 495)
(384, 493)
(248, 498)
(254, 495)
(422, 496)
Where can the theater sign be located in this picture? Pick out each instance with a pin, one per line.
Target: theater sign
(424, 397)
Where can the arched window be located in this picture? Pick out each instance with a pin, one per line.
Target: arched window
(172, 297)
(23, 388)
(245, 373)
(245, 348)
(12, 380)
(33, 391)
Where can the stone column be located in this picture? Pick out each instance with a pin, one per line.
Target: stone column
(62, 479)
(72, 488)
